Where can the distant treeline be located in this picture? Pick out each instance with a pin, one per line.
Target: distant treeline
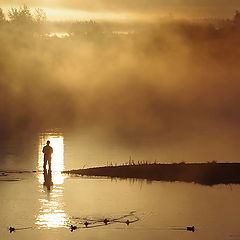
(202, 173)
(33, 21)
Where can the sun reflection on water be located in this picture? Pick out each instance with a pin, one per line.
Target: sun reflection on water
(51, 212)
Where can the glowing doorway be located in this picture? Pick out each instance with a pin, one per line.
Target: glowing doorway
(57, 143)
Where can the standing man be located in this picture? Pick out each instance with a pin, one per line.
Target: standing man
(47, 150)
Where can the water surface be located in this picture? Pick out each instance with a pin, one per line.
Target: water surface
(47, 204)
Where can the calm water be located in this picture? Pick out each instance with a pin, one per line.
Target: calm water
(29, 200)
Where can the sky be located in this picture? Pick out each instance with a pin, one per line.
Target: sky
(125, 9)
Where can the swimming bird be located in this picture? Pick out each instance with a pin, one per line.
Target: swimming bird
(72, 228)
(191, 229)
(106, 221)
(11, 229)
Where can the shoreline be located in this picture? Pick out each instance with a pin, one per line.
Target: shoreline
(202, 173)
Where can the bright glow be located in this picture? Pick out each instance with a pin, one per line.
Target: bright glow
(58, 35)
(51, 213)
(61, 14)
(54, 14)
(52, 220)
(57, 143)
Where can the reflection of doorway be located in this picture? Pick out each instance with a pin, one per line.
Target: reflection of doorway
(51, 212)
(51, 190)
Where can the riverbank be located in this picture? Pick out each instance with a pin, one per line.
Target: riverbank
(202, 173)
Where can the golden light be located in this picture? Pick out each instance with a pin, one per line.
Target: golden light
(51, 213)
(52, 220)
(57, 143)
(56, 14)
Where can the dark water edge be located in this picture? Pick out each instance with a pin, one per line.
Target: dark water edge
(201, 173)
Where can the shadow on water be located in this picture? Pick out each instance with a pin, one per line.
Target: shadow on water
(48, 179)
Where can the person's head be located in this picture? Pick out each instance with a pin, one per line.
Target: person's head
(48, 142)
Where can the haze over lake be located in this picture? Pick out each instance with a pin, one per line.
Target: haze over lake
(117, 83)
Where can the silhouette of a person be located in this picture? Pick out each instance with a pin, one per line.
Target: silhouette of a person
(47, 150)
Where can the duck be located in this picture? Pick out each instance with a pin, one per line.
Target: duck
(106, 221)
(191, 229)
(72, 228)
(11, 229)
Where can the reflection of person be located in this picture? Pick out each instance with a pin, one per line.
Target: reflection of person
(47, 150)
(47, 178)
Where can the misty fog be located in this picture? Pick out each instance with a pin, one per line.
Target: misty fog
(168, 90)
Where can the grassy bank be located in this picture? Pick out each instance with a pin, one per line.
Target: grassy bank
(203, 173)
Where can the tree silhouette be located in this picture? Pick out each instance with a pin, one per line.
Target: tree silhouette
(21, 16)
(2, 16)
(24, 21)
